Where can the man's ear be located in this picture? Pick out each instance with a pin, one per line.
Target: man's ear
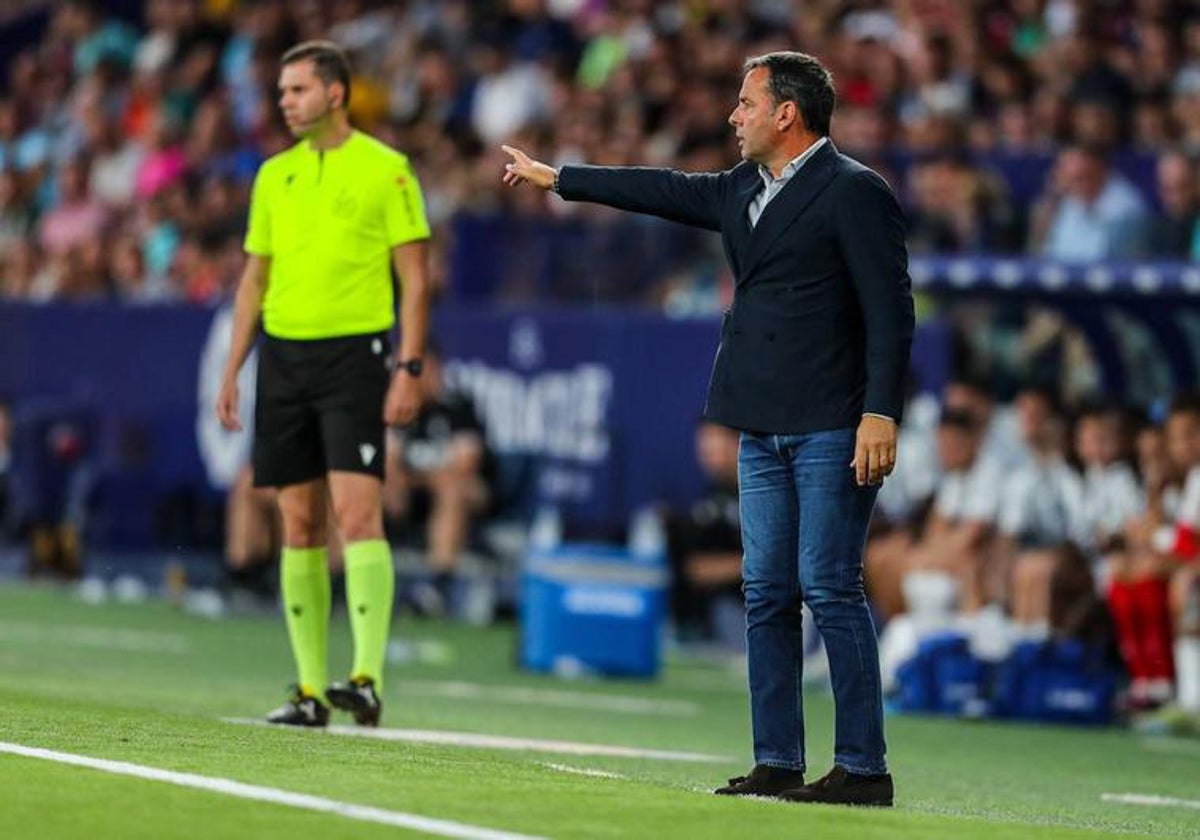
(337, 95)
(787, 115)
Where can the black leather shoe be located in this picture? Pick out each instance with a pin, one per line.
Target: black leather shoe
(763, 780)
(841, 787)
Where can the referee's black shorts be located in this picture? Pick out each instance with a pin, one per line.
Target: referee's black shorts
(319, 407)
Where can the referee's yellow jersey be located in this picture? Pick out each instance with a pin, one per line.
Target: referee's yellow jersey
(328, 220)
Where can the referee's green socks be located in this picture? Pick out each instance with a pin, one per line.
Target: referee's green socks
(370, 587)
(304, 579)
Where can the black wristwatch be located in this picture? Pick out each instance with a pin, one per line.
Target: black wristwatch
(413, 367)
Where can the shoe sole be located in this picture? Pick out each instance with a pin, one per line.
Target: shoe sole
(879, 803)
(349, 701)
(305, 724)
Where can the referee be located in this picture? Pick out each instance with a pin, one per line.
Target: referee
(329, 220)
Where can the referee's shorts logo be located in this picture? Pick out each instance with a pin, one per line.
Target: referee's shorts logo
(367, 451)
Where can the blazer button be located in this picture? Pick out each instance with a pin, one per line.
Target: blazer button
(770, 336)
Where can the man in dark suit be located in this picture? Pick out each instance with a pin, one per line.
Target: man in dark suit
(811, 368)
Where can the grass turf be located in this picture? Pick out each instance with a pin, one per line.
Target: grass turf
(149, 685)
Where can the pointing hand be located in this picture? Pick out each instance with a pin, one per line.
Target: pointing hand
(523, 168)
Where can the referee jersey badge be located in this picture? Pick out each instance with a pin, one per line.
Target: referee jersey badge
(345, 205)
(367, 451)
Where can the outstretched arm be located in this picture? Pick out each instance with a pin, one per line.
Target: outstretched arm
(691, 198)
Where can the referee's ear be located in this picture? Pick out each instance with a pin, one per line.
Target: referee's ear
(337, 93)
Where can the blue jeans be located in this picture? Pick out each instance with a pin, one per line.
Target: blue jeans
(804, 525)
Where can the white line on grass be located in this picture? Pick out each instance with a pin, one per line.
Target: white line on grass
(581, 771)
(228, 787)
(501, 742)
(623, 704)
(92, 636)
(1150, 799)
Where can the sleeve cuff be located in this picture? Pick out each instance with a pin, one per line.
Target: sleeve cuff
(877, 414)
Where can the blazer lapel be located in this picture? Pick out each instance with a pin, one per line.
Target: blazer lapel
(746, 195)
(792, 200)
(739, 239)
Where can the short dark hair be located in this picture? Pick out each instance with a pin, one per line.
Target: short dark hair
(800, 78)
(1185, 402)
(329, 62)
(958, 418)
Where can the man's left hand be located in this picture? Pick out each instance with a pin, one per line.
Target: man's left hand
(874, 449)
(403, 400)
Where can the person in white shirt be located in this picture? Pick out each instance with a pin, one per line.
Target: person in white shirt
(1041, 520)
(957, 538)
(1112, 496)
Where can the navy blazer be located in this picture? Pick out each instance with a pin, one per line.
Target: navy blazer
(822, 317)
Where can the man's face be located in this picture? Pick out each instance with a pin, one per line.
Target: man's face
(755, 117)
(1176, 183)
(1098, 440)
(717, 452)
(1182, 431)
(956, 447)
(304, 99)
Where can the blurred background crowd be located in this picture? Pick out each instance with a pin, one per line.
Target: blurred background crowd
(130, 131)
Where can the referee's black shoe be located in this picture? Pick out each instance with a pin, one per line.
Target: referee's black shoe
(300, 710)
(359, 698)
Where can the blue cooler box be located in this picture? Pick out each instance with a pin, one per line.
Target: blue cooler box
(592, 608)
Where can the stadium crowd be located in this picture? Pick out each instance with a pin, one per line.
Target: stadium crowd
(128, 141)
(1035, 522)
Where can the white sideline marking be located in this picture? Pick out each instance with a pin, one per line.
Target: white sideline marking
(624, 704)
(366, 813)
(1149, 799)
(94, 636)
(582, 771)
(501, 742)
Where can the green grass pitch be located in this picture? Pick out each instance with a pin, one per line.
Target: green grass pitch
(151, 686)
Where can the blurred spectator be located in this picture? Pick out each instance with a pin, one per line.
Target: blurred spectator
(1184, 571)
(1089, 211)
(77, 217)
(116, 161)
(957, 539)
(1041, 521)
(705, 542)
(1175, 233)
(509, 95)
(1112, 496)
(1002, 439)
(252, 540)
(955, 207)
(24, 275)
(1136, 589)
(16, 215)
(165, 160)
(61, 468)
(438, 472)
